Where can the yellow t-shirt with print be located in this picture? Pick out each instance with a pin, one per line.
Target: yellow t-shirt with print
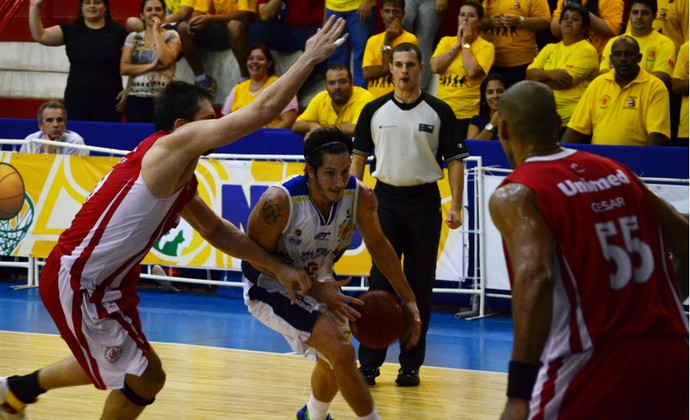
(580, 60)
(681, 71)
(174, 5)
(243, 96)
(374, 57)
(454, 88)
(623, 116)
(223, 7)
(610, 11)
(321, 111)
(658, 53)
(672, 20)
(515, 46)
(346, 5)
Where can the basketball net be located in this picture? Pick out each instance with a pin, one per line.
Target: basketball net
(12, 231)
(8, 8)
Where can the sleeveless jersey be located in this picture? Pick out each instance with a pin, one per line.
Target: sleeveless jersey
(309, 239)
(612, 277)
(115, 228)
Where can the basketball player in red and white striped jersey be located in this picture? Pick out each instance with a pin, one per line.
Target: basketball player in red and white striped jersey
(89, 282)
(599, 328)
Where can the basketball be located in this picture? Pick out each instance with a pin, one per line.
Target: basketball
(382, 320)
(11, 191)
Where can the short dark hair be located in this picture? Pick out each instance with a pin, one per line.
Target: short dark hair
(143, 6)
(651, 3)
(50, 104)
(405, 47)
(178, 100)
(400, 3)
(267, 52)
(629, 39)
(477, 6)
(323, 141)
(108, 16)
(339, 67)
(580, 10)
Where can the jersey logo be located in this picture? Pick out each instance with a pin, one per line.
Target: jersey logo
(296, 237)
(604, 101)
(571, 188)
(322, 236)
(651, 54)
(426, 128)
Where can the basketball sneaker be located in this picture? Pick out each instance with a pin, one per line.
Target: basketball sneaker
(408, 377)
(369, 374)
(8, 403)
(303, 414)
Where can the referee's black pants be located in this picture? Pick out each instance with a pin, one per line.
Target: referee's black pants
(411, 219)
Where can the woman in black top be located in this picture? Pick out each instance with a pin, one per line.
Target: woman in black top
(93, 44)
(484, 125)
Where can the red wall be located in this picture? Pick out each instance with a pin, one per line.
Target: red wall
(54, 12)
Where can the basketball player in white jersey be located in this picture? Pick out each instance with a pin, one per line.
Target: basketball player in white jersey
(600, 330)
(89, 282)
(309, 220)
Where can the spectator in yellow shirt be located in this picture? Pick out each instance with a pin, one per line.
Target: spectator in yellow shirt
(680, 87)
(511, 26)
(672, 20)
(338, 106)
(377, 53)
(262, 69)
(658, 51)
(627, 106)
(605, 16)
(462, 62)
(568, 66)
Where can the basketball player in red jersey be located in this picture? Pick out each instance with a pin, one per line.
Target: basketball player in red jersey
(599, 328)
(89, 282)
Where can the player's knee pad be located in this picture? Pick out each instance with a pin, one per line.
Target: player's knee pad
(134, 398)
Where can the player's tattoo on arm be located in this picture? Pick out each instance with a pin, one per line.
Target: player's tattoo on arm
(270, 213)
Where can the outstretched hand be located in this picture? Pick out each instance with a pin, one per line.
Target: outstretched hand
(413, 325)
(323, 43)
(337, 302)
(295, 280)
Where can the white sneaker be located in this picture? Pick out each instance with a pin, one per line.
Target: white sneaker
(157, 270)
(7, 412)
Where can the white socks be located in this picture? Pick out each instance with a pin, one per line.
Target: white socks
(374, 415)
(317, 409)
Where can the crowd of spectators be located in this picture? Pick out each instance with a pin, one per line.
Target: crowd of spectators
(493, 37)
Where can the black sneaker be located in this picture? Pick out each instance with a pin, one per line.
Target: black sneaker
(408, 377)
(369, 374)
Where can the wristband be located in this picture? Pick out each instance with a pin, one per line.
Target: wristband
(521, 379)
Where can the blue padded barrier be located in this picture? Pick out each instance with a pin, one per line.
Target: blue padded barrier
(657, 162)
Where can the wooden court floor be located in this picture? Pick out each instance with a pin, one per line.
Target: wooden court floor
(217, 383)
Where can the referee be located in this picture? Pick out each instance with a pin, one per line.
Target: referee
(410, 133)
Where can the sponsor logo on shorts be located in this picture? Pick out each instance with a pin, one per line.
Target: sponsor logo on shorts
(113, 353)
